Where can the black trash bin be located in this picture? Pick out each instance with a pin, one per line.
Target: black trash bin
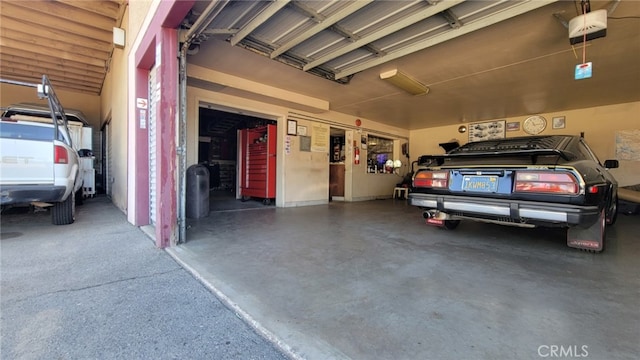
(197, 192)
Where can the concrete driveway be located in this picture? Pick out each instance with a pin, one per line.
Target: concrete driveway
(100, 289)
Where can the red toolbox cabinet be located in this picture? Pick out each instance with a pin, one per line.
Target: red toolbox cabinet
(258, 163)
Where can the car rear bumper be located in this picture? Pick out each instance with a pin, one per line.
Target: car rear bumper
(516, 211)
(24, 194)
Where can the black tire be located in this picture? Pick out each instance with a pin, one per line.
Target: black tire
(63, 213)
(79, 198)
(266, 202)
(451, 224)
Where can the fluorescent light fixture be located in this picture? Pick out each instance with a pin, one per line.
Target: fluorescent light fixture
(404, 82)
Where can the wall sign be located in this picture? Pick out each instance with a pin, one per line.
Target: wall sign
(143, 119)
(320, 138)
(141, 103)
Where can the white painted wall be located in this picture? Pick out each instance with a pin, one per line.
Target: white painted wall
(302, 177)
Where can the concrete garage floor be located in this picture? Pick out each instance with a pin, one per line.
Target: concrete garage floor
(369, 280)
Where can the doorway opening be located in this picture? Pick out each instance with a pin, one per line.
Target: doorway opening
(220, 150)
(337, 164)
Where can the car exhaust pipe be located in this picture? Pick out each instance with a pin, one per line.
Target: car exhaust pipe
(428, 215)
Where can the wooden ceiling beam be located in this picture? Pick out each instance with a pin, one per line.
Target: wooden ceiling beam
(55, 81)
(58, 77)
(54, 34)
(52, 52)
(64, 13)
(9, 66)
(76, 49)
(51, 61)
(47, 66)
(68, 40)
(70, 83)
(13, 10)
(106, 8)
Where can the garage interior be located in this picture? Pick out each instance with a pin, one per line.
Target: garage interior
(369, 279)
(218, 149)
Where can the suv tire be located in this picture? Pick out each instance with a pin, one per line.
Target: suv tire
(63, 213)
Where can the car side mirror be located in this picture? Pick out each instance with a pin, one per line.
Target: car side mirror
(611, 164)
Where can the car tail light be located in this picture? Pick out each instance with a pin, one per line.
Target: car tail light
(60, 155)
(432, 179)
(546, 182)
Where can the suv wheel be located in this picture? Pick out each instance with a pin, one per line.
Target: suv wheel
(63, 213)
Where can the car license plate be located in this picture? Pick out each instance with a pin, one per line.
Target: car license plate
(480, 183)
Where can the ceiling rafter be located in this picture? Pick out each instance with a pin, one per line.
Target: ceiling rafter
(68, 40)
(47, 33)
(453, 20)
(13, 10)
(516, 9)
(60, 82)
(103, 8)
(66, 55)
(409, 20)
(13, 64)
(40, 58)
(307, 11)
(347, 34)
(325, 23)
(258, 20)
(78, 49)
(68, 13)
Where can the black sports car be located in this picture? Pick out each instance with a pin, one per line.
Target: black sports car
(554, 181)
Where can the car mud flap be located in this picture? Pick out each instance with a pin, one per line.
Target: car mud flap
(591, 238)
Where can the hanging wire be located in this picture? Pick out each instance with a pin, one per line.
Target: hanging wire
(584, 36)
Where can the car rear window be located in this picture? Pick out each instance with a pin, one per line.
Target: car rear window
(10, 130)
(44, 115)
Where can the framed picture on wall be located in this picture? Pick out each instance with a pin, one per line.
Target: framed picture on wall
(292, 127)
(513, 126)
(487, 130)
(558, 122)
